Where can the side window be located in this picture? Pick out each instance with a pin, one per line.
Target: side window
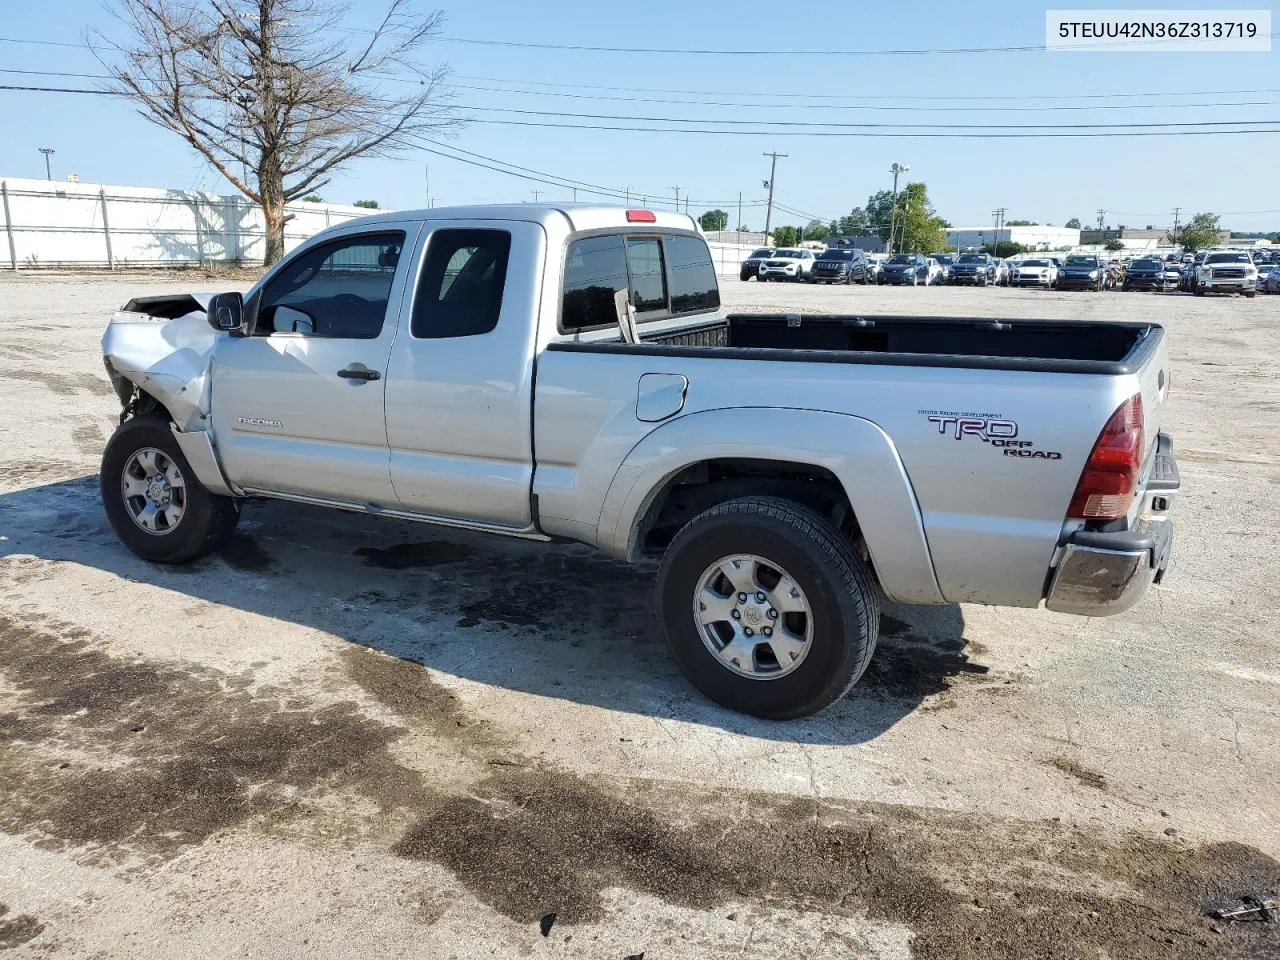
(693, 276)
(594, 270)
(648, 279)
(339, 289)
(460, 289)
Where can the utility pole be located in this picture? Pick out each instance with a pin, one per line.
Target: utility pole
(677, 190)
(773, 173)
(1101, 213)
(896, 169)
(48, 167)
(536, 195)
(575, 194)
(998, 215)
(628, 190)
(739, 227)
(1177, 214)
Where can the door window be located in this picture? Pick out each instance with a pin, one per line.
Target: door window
(460, 290)
(339, 289)
(693, 276)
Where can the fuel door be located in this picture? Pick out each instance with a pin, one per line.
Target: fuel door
(660, 395)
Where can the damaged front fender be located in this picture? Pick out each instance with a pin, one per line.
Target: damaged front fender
(163, 346)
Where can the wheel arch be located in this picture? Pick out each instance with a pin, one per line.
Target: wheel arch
(811, 456)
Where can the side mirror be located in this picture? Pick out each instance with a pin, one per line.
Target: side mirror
(226, 311)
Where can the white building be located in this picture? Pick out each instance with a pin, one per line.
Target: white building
(1033, 238)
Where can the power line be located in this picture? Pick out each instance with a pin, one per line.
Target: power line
(771, 106)
(901, 52)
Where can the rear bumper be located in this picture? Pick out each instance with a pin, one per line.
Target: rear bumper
(1104, 573)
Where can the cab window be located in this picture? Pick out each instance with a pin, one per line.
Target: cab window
(338, 289)
(460, 290)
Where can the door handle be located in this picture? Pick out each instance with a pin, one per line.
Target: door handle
(359, 373)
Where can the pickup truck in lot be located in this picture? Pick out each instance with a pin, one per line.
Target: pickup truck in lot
(567, 373)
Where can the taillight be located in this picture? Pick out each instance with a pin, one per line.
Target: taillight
(1110, 478)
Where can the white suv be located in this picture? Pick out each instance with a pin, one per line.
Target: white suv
(788, 264)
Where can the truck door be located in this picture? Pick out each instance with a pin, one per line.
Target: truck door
(298, 404)
(460, 383)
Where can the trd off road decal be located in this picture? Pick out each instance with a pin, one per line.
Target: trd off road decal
(989, 428)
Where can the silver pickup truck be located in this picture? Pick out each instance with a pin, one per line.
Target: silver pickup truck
(567, 373)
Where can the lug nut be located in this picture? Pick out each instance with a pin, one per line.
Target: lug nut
(767, 631)
(760, 597)
(742, 598)
(748, 631)
(736, 615)
(773, 614)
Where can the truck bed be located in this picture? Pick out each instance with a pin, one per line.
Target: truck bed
(1048, 345)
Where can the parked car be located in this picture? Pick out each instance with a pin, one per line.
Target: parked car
(751, 266)
(1002, 272)
(1227, 271)
(841, 265)
(946, 261)
(1172, 274)
(1145, 273)
(1190, 272)
(1082, 273)
(1035, 272)
(978, 269)
(386, 367)
(1268, 273)
(876, 262)
(905, 268)
(788, 264)
(935, 273)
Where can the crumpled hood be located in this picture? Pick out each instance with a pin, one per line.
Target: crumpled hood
(164, 346)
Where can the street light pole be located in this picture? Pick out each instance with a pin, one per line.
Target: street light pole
(48, 167)
(896, 169)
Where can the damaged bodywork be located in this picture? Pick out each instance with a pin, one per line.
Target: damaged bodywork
(162, 348)
(158, 351)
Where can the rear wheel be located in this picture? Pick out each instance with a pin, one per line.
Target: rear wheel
(767, 607)
(152, 498)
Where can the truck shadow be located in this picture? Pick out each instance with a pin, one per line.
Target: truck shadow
(558, 621)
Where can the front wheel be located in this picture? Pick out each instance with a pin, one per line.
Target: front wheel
(767, 607)
(152, 498)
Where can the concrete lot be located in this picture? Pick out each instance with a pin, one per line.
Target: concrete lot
(346, 737)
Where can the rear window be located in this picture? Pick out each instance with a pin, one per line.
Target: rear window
(693, 276)
(666, 276)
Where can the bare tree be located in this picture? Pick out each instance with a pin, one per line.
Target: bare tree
(278, 88)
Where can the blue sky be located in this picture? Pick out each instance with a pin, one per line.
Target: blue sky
(1138, 180)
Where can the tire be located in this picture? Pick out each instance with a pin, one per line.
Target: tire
(206, 519)
(836, 587)
(1251, 294)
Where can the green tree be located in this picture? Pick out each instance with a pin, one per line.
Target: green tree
(1005, 248)
(1113, 245)
(313, 198)
(817, 230)
(786, 236)
(856, 224)
(1022, 223)
(878, 212)
(920, 229)
(367, 204)
(1073, 223)
(1202, 230)
(714, 220)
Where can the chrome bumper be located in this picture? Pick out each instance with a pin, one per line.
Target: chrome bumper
(1104, 573)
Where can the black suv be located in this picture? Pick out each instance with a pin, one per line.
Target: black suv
(1082, 273)
(1146, 273)
(841, 266)
(976, 268)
